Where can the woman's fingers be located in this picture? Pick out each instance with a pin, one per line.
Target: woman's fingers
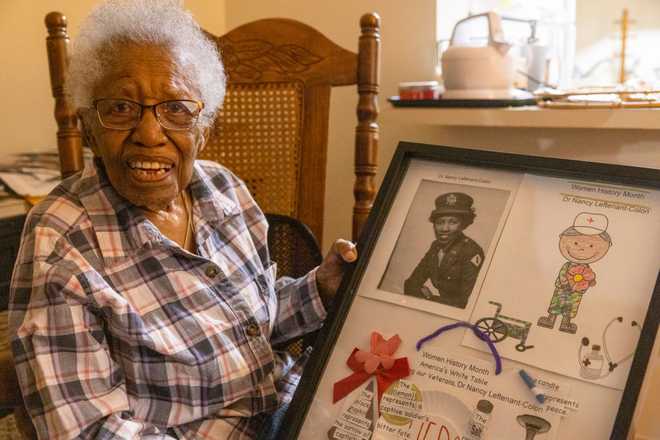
(345, 249)
(332, 268)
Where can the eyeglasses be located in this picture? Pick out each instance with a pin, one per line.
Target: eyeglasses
(124, 114)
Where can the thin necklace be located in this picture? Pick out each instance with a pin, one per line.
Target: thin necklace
(189, 220)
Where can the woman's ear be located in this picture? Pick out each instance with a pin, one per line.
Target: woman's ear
(205, 133)
(86, 123)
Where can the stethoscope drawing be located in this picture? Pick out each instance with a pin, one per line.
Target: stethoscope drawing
(597, 364)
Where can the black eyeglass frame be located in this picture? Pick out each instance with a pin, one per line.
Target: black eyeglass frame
(153, 107)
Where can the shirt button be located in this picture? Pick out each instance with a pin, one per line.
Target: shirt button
(211, 271)
(253, 330)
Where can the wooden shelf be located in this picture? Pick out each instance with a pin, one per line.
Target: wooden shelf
(532, 117)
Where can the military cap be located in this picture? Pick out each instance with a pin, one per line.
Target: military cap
(454, 203)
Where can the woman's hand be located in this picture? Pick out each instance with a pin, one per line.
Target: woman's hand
(331, 270)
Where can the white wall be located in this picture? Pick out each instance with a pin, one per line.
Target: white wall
(593, 25)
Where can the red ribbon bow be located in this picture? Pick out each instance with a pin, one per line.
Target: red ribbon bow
(378, 361)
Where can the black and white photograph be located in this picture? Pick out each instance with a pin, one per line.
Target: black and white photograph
(441, 247)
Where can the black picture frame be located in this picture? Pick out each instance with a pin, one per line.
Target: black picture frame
(542, 166)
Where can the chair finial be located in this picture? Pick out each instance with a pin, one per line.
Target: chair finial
(55, 20)
(370, 20)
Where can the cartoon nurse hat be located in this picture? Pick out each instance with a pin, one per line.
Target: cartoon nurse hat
(588, 223)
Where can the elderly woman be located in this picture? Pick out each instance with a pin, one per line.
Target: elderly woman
(144, 302)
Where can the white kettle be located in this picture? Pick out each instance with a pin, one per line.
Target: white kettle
(477, 64)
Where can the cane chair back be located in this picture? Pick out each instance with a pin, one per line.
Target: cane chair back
(273, 128)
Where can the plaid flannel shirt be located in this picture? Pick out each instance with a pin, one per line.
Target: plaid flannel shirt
(117, 332)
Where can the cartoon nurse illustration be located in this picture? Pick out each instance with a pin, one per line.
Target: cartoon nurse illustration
(585, 242)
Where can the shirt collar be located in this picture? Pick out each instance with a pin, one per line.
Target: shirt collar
(209, 202)
(120, 227)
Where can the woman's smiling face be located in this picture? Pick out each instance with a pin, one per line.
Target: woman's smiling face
(148, 165)
(446, 227)
(583, 248)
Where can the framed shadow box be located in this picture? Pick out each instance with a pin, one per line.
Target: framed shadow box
(496, 296)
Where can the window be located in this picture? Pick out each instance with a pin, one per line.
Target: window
(599, 45)
(583, 40)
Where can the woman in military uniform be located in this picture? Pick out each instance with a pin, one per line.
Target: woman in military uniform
(454, 259)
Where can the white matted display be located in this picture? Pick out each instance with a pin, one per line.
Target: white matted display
(496, 296)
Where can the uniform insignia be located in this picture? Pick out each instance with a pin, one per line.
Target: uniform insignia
(451, 199)
(476, 260)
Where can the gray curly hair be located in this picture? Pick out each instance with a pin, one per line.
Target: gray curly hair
(158, 22)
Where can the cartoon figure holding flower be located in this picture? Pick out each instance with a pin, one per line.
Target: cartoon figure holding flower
(583, 243)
